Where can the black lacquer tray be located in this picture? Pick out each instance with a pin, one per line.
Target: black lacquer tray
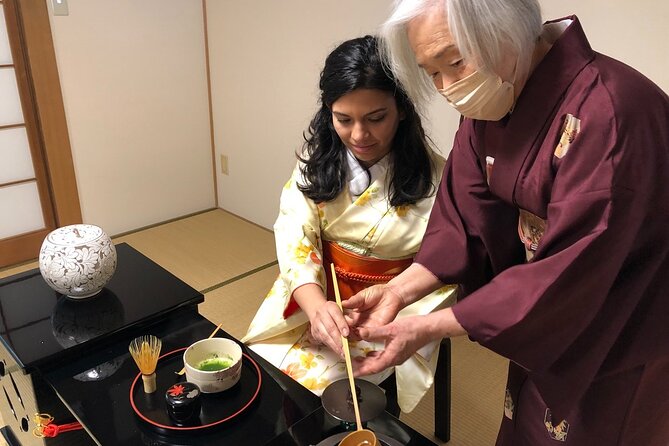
(217, 408)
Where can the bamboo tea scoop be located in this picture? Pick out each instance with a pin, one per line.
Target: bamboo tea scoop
(361, 437)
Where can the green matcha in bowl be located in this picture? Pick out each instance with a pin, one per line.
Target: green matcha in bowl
(214, 364)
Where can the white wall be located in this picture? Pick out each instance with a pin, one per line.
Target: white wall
(134, 86)
(266, 55)
(133, 77)
(265, 59)
(636, 33)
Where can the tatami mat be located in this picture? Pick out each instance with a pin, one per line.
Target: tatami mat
(10, 271)
(207, 249)
(477, 393)
(235, 304)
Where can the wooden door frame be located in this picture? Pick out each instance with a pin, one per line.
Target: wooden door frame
(39, 58)
(38, 44)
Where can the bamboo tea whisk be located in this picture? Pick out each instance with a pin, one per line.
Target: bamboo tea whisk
(145, 351)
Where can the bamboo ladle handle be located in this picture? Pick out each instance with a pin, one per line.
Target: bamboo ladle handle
(347, 353)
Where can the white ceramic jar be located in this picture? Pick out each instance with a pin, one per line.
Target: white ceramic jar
(77, 260)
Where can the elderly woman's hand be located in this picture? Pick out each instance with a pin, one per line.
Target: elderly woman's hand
(404, 337)
(373, 307)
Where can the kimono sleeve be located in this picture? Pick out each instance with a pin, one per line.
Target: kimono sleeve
(297, 236)
(470, 234)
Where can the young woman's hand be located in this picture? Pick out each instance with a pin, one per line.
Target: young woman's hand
(328, 326)
(326, 319)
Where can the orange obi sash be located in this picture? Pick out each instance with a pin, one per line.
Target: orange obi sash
(354, 272)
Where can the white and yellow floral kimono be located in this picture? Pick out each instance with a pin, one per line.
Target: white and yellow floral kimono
(368, 226)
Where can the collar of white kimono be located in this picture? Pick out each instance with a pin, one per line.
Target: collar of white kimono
(358, 178)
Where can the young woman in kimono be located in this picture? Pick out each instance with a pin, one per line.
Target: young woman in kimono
(359, 197)
(552, 212)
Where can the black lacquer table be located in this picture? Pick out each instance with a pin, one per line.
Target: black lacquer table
(71, 359)
(42, 330)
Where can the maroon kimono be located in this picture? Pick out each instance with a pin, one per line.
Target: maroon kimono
(556, 222)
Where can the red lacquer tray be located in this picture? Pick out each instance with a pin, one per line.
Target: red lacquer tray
(217, 408)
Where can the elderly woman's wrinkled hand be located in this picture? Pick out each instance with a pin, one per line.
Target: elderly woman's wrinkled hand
(402, 338)
(372, 307)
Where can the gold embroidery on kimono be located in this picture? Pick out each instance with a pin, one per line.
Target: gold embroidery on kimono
(369, 227)
(570, 128)
(509, 406)
(530, 230)
(558, 432)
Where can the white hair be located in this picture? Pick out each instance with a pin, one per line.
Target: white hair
(484, 32)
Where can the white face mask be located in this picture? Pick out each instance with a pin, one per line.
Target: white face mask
(480, 96)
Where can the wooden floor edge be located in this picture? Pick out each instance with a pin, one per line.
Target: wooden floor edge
(239, 277)
(246, 220)
(155, 225)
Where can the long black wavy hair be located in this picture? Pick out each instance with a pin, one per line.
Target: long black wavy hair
(356, 64)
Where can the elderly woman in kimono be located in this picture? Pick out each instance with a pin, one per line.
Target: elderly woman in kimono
(359, 197)
(552, 213)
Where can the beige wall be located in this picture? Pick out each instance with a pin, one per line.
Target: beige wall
(134, 85)
(133, 76)
(266, 56)
(636, 32)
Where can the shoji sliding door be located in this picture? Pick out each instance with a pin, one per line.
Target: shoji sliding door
(27, 207)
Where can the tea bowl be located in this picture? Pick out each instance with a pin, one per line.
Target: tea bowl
(214, 364)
